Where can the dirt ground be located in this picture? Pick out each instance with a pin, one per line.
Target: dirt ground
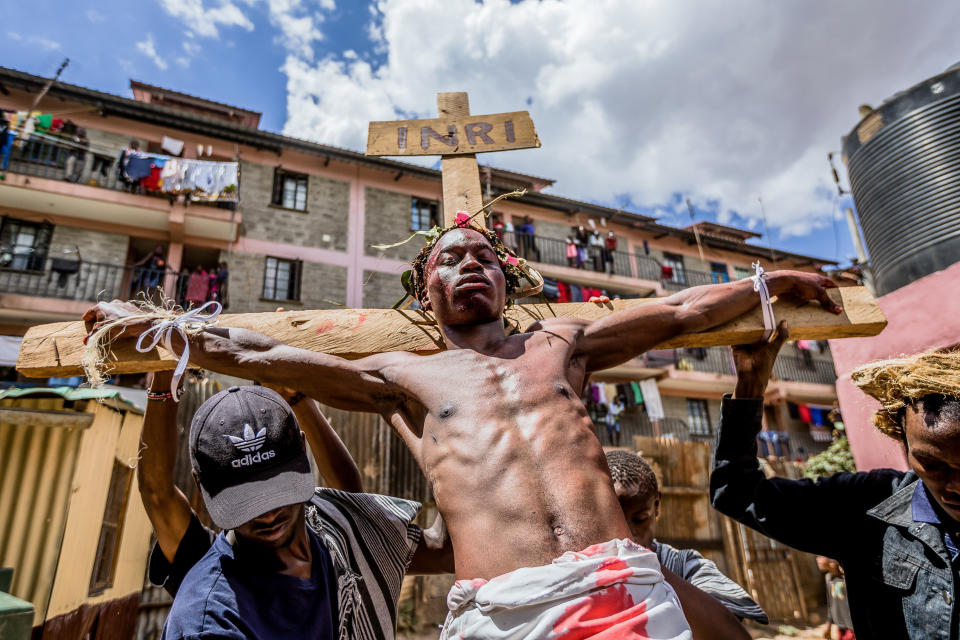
(771, 632)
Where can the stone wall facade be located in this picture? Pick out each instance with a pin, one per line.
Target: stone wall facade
(387, 221)
(323, 224)
(381, 290)
(324, 286)
(95, 246)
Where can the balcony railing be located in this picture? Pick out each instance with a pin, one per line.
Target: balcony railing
(554, 251)
(706, 359)
(798, 369)
(46, 156)
(638, 424)
(70, 279)
(66, 279)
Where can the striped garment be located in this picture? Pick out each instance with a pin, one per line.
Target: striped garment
(704, 574)
(371, 540)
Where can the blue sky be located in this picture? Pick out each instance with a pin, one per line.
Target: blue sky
(640, 105)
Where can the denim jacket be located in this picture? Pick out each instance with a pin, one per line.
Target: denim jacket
(900, 580)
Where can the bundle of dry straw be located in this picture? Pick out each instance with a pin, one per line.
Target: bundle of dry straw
(901, 382)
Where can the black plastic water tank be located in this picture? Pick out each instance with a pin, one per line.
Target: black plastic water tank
(903, 160)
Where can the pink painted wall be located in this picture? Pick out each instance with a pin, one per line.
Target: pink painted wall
(923, 315)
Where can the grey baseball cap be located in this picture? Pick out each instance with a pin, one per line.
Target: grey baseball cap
(249, 455)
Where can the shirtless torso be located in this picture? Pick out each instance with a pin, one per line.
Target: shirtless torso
(495, 422)
(509, 450)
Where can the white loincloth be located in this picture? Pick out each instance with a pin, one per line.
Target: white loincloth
(613, 590)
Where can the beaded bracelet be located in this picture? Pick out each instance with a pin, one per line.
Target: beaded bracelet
(159, 396)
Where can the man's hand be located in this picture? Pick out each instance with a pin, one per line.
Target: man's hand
(808, 286)
(754, 363)
(104, 312)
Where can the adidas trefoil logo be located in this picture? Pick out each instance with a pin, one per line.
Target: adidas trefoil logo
(251, 441)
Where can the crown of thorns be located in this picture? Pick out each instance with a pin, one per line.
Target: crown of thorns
(901, 382)
(516, 271)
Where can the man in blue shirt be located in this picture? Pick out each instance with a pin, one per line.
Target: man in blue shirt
(894, 533)
(292, 561)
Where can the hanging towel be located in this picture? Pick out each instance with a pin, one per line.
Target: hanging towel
(636, 393)
(805, 413)
(171, 145)
(601, 393)
(651, 399)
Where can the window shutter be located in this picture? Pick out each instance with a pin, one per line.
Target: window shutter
(277, 197)
(298, 279)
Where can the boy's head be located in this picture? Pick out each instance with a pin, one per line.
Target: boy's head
(920, 398)
(638, 492)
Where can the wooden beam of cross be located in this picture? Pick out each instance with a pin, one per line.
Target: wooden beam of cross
(57, 349)
(456, 136)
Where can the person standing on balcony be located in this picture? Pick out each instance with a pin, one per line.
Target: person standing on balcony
(610, 250)
(596, 250)
(148, 271)
(571, 252)
(583, 241)
(612, 420)
(77, 158)
(528, 240)
(894, 533)
(198, 287)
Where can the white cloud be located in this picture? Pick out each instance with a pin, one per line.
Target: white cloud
(94, 16)
(149, 49)
(719, 101)
(13, 35)
(45, 43)
(298, 21)
(182, 61)
(205, 20)
(191, 48)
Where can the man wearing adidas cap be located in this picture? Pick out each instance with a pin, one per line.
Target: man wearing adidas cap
(293, 561)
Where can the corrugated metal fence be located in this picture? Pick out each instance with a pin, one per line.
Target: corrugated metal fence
(34, 461)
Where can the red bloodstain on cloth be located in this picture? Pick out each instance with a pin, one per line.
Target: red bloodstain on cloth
(612, 571)
(606, 615)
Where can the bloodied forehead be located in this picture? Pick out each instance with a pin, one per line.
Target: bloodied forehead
(461, 239)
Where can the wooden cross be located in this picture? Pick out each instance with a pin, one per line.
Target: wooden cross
(457, 137)
(57, 349)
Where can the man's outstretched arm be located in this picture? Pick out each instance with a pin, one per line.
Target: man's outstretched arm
(624, 335)
(356, 385)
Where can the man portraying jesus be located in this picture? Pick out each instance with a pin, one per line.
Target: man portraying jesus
(496, 423)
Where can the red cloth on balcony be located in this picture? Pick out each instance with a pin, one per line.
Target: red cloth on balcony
(152, 182)
(563, 291)
(804, 411)
(666, 272)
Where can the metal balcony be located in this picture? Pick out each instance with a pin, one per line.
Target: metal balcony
(46, 157)
(800, 369)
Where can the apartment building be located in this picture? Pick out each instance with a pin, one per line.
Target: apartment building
(298, 230)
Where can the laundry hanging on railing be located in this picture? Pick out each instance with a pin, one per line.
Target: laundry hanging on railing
(202, 180)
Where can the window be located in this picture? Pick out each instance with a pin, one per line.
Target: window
(423, 214)
(111, 529)
(718, 273)
(289, 190)
(742, 272)
(281, 279)
(24, 245)
(698, 417)
(674, 263)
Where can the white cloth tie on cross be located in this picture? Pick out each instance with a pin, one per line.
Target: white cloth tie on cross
(164, 331)
(760, 286)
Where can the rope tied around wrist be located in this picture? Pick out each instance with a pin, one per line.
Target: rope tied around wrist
(760, 286)
(191, 321)
(165, 320)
